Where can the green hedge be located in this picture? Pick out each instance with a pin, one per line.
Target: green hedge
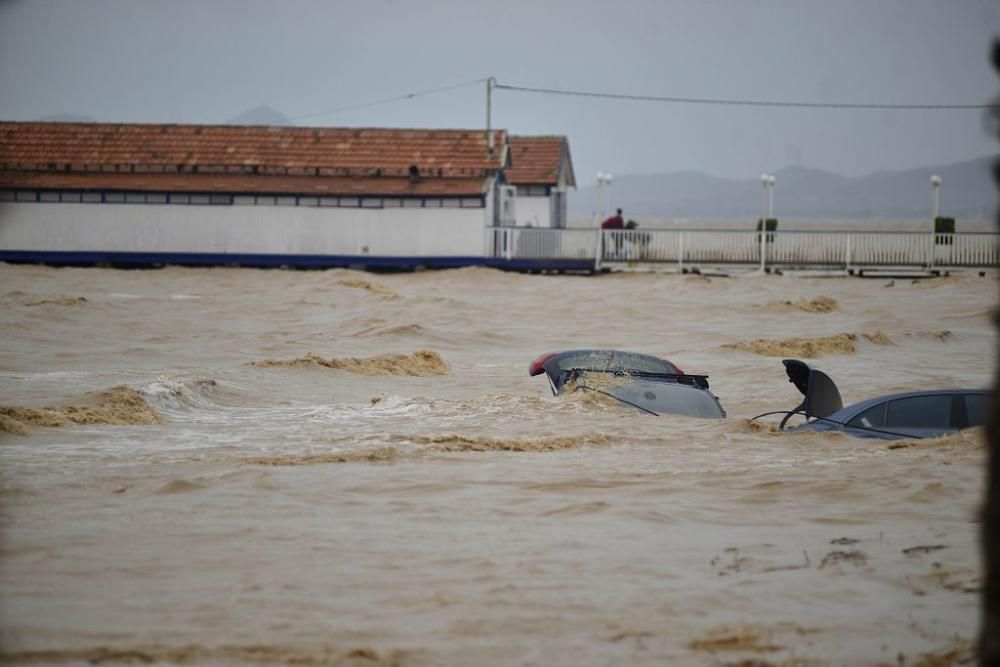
(772, 226)
(944, 225)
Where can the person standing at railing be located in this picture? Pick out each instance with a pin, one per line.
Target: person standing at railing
(616, 222)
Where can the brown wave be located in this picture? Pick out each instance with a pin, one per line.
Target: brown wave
(749, 638)
(325, 656)
(590, 398)
(970, 438)
(746, 425)
(878, 338)
(420, 363)
(374, 288)
(399, 330)
(118, 406)
(176, 486)
(808, 348)
(821, 304)
(463, 443)
(14, 426)
(940, 335)
(59, 301)
(380, 455)
(735, 639)
(24, 299)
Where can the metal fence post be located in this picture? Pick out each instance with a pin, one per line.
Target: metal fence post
(763, 245)
(598, 250)
(680, 254)
(847, 255)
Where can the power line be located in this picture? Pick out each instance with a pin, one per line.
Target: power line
(742, 103)
(387, 100)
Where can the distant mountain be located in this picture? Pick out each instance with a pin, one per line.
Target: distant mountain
(967, 190)
(66, 118)
(262, 115)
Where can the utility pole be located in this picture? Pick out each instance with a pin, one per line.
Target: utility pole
(490, 82)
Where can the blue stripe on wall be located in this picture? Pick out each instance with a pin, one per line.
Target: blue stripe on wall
(142, 259)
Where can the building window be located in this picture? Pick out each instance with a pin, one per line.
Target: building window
(218, 199)
(532, 191)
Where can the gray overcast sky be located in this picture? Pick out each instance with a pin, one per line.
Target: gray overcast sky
(207, 61)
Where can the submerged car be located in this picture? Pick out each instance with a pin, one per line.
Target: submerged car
(657, 386)
(913, 414)
(642, 381)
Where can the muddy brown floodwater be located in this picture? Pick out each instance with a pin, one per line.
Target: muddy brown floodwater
(229, 466)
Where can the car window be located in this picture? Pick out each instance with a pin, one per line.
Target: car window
(932, 411)
(873, 417)
(975, 408)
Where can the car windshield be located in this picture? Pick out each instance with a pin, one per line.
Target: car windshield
(613, 361)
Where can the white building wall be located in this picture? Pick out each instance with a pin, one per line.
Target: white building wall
(533, 211)
(272, 230)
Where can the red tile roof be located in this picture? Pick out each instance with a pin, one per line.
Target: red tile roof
(246, 158)
(243, 183)
(337, 151)
(538, 160)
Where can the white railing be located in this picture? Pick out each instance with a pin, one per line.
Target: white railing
(781, 249)
(539, 243)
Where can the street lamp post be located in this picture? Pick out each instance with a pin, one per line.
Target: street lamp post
(935, 193)
(607, 192)
(603, 186)
(770, 196)
(767, 207)
(601, 205)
